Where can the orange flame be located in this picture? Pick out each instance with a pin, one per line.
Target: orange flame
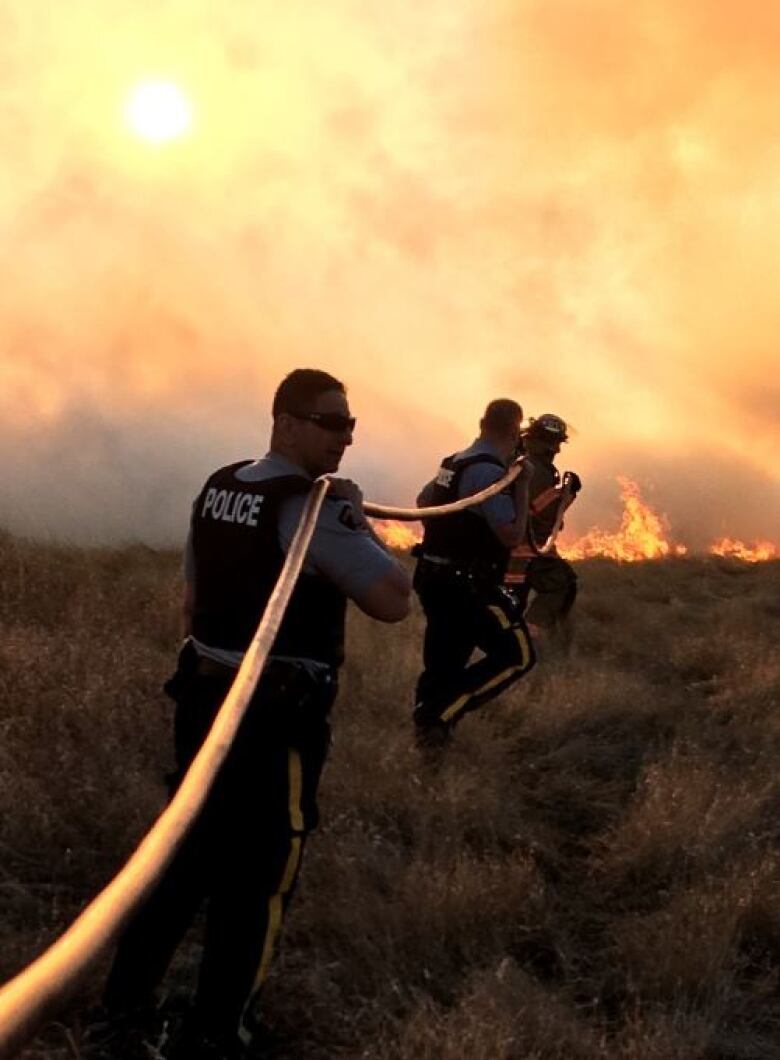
(642, 533)
(396, 534)
(731, 547)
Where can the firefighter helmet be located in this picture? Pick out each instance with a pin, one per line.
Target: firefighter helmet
(547, 428)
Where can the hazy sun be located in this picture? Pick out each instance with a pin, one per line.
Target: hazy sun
(158, 111)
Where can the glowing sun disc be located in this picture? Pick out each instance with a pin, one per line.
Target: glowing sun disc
(158, 111)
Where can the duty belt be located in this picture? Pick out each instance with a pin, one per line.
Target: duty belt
(213, 668)
(208, 667)
(475, 571)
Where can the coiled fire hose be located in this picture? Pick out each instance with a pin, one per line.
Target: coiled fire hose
(40, 990)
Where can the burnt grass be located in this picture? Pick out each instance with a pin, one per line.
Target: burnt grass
(593, 871)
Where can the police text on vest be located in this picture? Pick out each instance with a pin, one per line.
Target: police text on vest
(231, 506)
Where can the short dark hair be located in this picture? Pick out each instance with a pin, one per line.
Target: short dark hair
(298, 391)
(502, 415)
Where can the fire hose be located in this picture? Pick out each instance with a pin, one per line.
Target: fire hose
(565, 499)
(382, 511)
(40, 990)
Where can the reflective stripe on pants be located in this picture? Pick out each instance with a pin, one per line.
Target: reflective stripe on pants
(458, 621)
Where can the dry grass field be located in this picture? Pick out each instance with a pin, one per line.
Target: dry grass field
(594, 872)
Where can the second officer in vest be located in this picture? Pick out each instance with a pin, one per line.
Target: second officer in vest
(461, 564)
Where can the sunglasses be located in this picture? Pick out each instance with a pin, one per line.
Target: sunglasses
(329, 421)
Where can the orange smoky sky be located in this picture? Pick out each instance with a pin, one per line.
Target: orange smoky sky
(575, 204)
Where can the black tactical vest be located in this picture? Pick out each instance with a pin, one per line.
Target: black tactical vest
(237, 560)
(464, 537)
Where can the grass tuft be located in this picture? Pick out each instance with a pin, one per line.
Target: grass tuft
(592, 873)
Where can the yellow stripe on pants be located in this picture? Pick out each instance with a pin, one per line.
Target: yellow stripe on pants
(499, 615)
(276, 901)
(295, 772)
(520, 634)
(459, 704)
(525, 647)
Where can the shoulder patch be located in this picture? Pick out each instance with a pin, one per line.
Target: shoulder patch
(347, 517)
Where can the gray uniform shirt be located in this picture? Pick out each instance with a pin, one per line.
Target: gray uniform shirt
(348, 557)
(498, 510)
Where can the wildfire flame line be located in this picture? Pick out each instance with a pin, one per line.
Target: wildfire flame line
(731, 547)
(396, 534)
(642, 535)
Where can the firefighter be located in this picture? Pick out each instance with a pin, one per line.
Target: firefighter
(458, 579)
(243, 855)
(548, 581)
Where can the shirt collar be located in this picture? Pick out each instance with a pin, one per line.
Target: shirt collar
(287, 467)
(479, 445)
(277, 464)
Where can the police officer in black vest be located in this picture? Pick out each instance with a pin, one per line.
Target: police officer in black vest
(459, 574)
(244, 854)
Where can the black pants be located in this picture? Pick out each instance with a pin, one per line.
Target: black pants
(555, 586)
(244, 852)
(461, 617)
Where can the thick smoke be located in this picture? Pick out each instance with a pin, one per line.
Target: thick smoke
(571, 204)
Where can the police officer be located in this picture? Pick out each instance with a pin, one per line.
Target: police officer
(458, 578)
(244, 852)
(548, 580)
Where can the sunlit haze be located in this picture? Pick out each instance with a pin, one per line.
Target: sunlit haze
(158, 111)
(575, 205)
